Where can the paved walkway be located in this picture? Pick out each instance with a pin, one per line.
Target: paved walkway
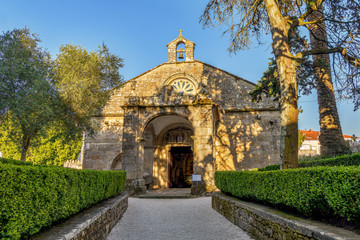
(174, 219)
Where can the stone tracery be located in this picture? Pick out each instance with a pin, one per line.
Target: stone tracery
(183, 86)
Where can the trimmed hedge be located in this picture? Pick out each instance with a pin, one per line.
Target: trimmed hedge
(344, 160)
(36, 197)
(14, 162)
(270, 168)
(320, 191)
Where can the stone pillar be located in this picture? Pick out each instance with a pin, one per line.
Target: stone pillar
(203, 146)
(131, 158)
(172, 53)
(189, 52)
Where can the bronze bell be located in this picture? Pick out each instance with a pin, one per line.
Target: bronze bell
(181, 55)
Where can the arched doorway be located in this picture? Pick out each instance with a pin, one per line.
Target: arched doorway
(168, 152)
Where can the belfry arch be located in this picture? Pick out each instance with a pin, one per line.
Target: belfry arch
(168, 152)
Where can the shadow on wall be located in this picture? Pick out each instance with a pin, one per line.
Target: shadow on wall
(246, 140)
(243, 137)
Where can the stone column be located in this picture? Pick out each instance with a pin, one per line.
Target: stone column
(203, 146)
(131, 158)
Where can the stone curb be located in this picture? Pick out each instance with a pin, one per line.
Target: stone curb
(263, 222)
(94, 223)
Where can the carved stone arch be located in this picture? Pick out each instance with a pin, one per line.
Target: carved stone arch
(162, 134)
(181, 75)
(116, 163)
(180, 42)
(153, 117)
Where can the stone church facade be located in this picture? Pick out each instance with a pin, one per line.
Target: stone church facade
(180, 118)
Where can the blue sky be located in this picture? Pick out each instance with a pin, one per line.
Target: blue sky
(139, 30)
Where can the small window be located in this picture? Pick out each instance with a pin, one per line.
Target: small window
(305, 147)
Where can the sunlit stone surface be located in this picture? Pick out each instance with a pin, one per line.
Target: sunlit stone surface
(161, 135)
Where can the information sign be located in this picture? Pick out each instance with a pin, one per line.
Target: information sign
(196, 178)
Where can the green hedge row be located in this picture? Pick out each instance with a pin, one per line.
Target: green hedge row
(14, 162)
(319, 191)
(344, 160)
(36, 197)
(270, 168)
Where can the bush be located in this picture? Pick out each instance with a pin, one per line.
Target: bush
(270, 167)
(344, 160)
(35, 197)
(320, 191)
(14, 162)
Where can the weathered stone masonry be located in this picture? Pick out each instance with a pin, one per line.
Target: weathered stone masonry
(181, 118)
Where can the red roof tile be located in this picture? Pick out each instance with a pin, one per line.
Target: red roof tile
(314, 135)
(310, 135)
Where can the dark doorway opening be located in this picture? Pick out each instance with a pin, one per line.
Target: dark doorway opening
(180, 167)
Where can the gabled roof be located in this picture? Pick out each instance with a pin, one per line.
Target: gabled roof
(165, 63)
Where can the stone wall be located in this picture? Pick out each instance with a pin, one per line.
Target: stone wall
(265, 223)
(247, 139)
(101, 149)
(92, 224)
(73, 164)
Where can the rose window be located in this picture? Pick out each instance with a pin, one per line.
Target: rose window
(183, 86)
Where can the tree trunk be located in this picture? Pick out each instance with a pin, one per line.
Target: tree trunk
(288, 86)
(331, 138)
(24, 147)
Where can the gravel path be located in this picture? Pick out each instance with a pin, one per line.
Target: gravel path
(158, 219)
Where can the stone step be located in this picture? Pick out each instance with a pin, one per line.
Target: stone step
(168, 193)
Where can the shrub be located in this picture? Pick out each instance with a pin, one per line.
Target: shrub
(35, 197)
(324, 191)
(344, 160)
(14, 162)
(270, 167)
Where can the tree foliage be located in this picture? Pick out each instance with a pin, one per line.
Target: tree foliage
(25, 69)
(53, 147)
(10, 137)
(83, 78)
(56, 147)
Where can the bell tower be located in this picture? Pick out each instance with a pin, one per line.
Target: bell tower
(178, 54)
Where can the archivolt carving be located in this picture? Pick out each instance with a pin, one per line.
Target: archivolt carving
(178, 135)
(181, 75)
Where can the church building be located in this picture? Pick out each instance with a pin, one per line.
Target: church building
(183, 117)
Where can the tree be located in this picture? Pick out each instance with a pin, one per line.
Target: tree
(26, 97)
(83, 79)
(331, 137)
(315, 74)
(283, 19)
